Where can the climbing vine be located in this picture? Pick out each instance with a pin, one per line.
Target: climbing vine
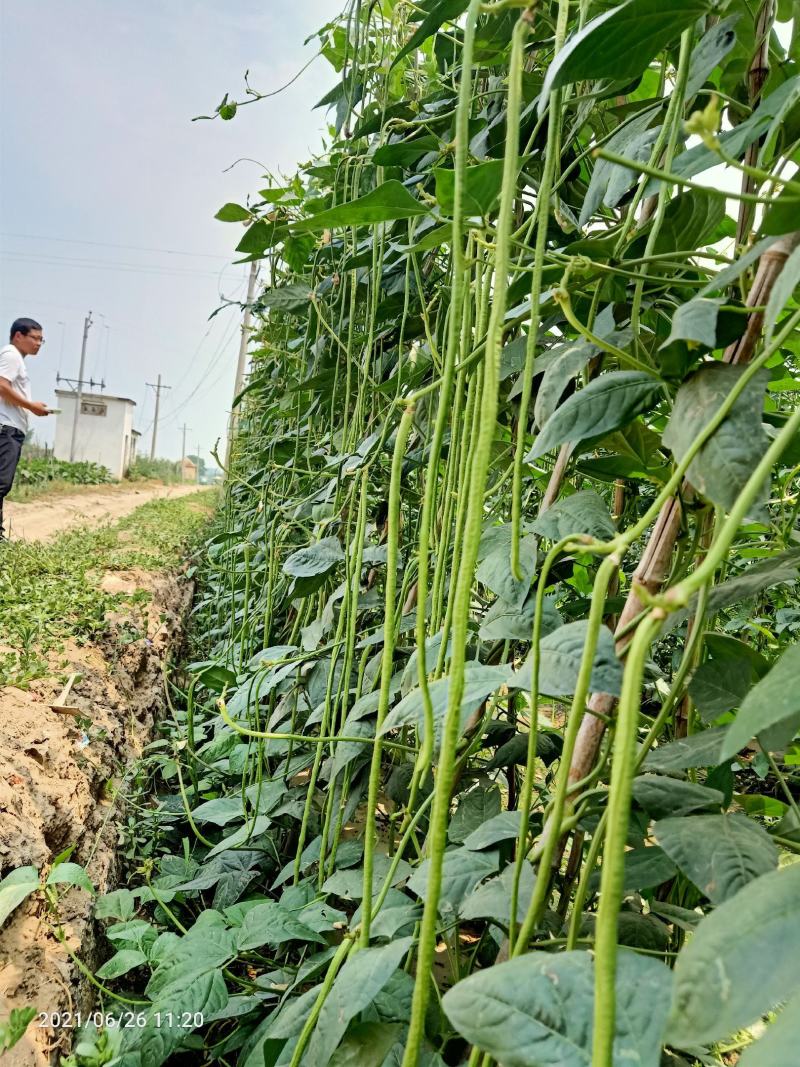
(487, 752)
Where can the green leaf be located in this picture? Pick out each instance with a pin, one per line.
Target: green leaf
(494, 567)
(715, 44)
(719, 853)
(782, 290)
(405, 153)
(232, 213)
(537, 1011)
(610, 181)
(366, 1045)
(492, 900)
(645, 868)
(620, 43)
(462, 869)
(474, 809)
(270, 924)
(661, 796)
(723, 278)
(315, 559)
(568, 362)
(288, 298)
(124, 960)
(220, 811)
(70, 874)
(690, 219)
(203, 950)
(444, 11)
(696, 322)
(604, 405)
(773, 701)
(362, 977)
(781, 215)
(582, 513)
(502, 827)
(560, 656)
(388, 201)
(697, 750)
(15, 887)
(504, 620)
(725, 462)
(262, 235)
(479, 683)
(242, 836)
(480, 191)
(14, 1029)
(719, 686)
(778, 1046)
(743, 956)
(121, 904)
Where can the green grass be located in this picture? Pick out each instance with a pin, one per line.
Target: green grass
(50, 591)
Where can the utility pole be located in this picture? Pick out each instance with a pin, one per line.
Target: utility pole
(242, 361)
(158, 388)
(198, 462)
(87, 322)
(183, 449)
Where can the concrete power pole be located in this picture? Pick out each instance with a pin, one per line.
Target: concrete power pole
(158, 388)
(87, 322)
(183, 449)
(198, 462)
(241, 363)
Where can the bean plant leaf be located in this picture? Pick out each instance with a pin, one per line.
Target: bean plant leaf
(610, 181)
(604, 405)
(122, 962)
(474, 809)
(568, 362)
(583, 512)
(715, 44)
(725, 462)
(362, 977)
(697, 750)
(271, 924)
(318, 558)
(719, 853)
(560, 655)
(743, 956)
(366, 1045)
(441, 12)
(480, 189)
(289, 298)
(536, 1011)
(719, 686)
(232, 213)
(462, 869)
(695, 322)
(772, 702)
(492, 899)
(777, 1047)
(661, 796)
(15, 887)
(620, 43)
(387, 202)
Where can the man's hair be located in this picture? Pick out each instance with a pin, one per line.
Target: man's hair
(23, 326)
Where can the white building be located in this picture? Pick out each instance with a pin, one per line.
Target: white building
(105, 432)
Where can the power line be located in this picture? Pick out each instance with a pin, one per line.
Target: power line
(128, 268)
(110, 244)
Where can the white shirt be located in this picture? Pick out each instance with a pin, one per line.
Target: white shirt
(12, 368)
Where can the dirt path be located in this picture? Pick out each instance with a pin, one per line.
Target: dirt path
(43, 519)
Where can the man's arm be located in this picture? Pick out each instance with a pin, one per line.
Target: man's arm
(11, 396)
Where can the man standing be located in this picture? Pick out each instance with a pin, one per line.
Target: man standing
(15, 400)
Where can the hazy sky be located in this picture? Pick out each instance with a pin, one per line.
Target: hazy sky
(108, 189)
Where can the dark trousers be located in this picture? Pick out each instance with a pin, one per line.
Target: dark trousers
(10, 447)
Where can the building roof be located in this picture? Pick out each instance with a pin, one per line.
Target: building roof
(95, 396)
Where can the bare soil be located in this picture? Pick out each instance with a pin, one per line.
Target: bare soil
(41, 520)
(58, 786)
